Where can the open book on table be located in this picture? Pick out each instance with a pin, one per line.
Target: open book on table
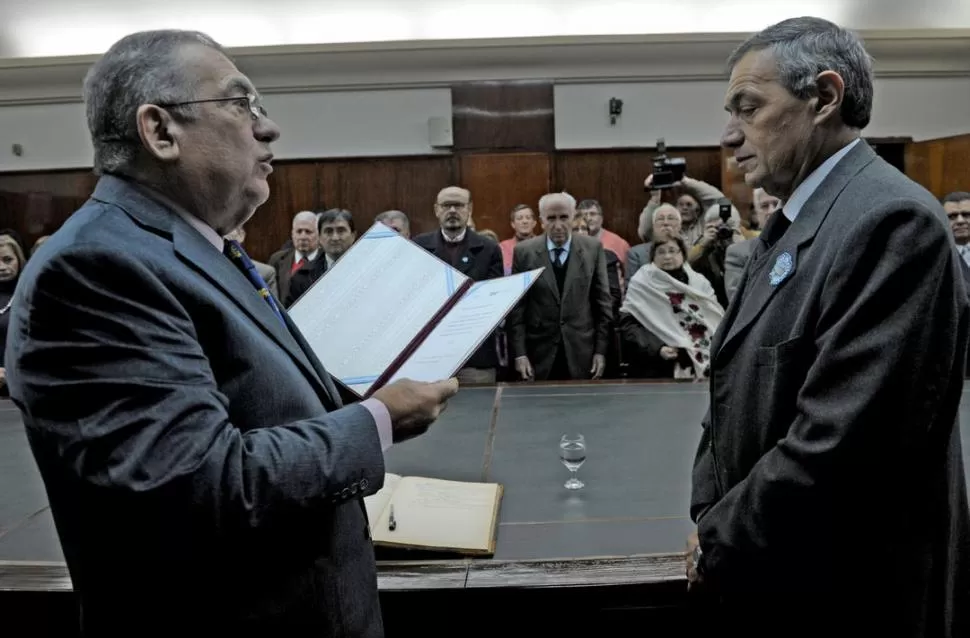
(432, 514)
(389, 309)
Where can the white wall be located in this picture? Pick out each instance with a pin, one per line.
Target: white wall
(692, 114)
(322, 124)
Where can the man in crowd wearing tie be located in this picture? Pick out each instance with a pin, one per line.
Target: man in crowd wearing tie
(201, 469)
(828, 487)
(305, 237)
(560, 329)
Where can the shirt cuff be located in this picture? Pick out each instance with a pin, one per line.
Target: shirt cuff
(383, 420)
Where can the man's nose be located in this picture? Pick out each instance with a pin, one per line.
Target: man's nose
(266, 130)
(731, 137)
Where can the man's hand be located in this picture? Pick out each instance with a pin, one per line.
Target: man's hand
(693, 578)
(3, 377)
(524, 368)
(414, 405)
(599, 366)
(667, 353)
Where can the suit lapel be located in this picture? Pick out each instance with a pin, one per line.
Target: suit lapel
(769, 270)
(467, 258)
(575, 266)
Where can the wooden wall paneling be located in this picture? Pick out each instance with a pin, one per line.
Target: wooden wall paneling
(498, 182)
(292, 187)
(36, 204)
(942, 166)
(615, 179)
(503, 116)
(368, 187)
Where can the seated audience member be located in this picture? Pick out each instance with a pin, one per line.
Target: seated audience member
(11, 265)
(397, 220)
(669, 317)
(655, 221)
(337, 234)
(736, 257)
(708, 255)
(523, 221)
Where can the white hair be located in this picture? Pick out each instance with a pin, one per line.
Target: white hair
(553, 199)
(645, 228)
(305, 216)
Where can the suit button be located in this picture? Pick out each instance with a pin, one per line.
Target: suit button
(364, 484)
(354, 488)
(345, 493)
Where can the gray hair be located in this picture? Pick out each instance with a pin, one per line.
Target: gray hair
(391, 215)
(805, 47)
(306, 216)
(552, 199)
(141, 68)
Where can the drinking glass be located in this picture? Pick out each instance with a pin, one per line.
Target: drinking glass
(572, 452)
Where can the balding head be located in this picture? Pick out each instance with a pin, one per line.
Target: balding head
(305, 235)
(453, 208)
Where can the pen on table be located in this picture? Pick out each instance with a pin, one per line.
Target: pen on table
(391, 521)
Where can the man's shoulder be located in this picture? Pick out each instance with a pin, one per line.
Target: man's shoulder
(530, 245)
(587, 243)
(425, 240)
(741, 248)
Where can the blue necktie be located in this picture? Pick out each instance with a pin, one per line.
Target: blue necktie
(235, 252)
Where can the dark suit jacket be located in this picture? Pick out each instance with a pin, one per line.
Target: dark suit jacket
(828, 487)
(282, 261)
(484, 261)
(200, 468)
(581, 318)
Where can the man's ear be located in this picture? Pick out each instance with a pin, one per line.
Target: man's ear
(159, 132)
(830, 91)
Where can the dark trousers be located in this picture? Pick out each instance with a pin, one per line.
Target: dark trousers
(560, 367)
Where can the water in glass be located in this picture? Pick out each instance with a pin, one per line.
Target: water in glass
(572, 452)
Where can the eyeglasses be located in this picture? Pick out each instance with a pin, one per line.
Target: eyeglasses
(253, 101)
(668, 252)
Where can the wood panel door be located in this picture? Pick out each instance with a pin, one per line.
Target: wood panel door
(499, 182)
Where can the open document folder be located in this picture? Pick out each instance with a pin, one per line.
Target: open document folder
(389, 309)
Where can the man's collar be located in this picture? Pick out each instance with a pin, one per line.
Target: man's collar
(456, 240)
(550, 246)
(804, 191)
(200, 226)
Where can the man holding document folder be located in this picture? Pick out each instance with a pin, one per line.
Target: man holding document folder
(189, 439)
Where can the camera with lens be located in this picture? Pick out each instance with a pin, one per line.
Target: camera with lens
(725, 232)
(667, 171)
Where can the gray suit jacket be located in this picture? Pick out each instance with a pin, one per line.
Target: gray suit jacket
(735, 259)
(200, 468)
(580, 318)
(828, 487)
(637, 257)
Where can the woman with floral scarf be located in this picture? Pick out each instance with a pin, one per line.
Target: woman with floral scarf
(669, 317)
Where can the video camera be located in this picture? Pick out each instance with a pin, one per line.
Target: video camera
(667, 171)
(725, 232)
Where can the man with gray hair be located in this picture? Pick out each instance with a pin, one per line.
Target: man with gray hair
(397, 220)
(302, 256)
(560, 330)
(828, 487)
(201, 468)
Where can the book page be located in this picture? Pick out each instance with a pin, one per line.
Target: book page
(456, 337)
(366, 309)
(376, 503)
(438, 514)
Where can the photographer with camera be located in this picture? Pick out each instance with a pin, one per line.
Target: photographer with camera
(722, 228)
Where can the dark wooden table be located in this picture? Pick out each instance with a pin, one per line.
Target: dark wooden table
(600, 556)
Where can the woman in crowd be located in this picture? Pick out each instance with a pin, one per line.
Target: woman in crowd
(669, 316)
(11, 264)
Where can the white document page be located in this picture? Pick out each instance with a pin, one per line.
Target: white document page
(476, 315)
(370, 305)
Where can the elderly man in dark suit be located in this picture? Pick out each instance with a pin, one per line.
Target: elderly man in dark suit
(201, 469)
(560, 330)
(828, 488)
(476, 256)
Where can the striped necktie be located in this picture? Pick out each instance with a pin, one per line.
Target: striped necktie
(238, 256)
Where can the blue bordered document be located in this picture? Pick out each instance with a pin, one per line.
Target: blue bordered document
(389, 309)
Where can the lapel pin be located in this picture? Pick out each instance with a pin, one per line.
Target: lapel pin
(782, 268)
(464, 259)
